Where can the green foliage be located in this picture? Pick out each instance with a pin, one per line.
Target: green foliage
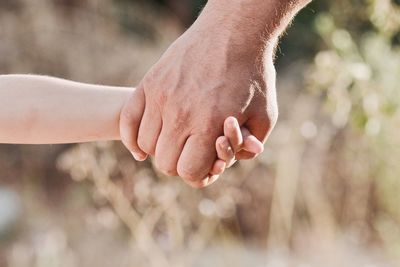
(358, 69)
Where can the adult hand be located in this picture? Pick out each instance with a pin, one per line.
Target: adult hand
(220, 67)
(186, 97)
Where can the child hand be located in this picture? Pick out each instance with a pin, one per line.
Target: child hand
(235, 139)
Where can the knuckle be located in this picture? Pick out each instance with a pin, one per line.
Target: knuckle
(161, 97)
(188, 174)
(181, 117)
(164, 169)
(151, 87)
(179, 121)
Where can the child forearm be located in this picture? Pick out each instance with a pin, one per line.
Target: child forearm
(44, 110)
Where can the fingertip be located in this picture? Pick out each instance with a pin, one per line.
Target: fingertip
(230, 119)
(221, 142)
(231, 123)
(139, 156)
(224, 149)
(233, 134)
(218, 168)
(253, 145)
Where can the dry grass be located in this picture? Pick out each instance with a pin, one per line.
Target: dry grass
(310, 200)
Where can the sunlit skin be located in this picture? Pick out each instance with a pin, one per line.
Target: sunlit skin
(45, 110)
(221, 66)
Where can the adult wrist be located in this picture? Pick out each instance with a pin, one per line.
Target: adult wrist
(255, 18)
(244, 24)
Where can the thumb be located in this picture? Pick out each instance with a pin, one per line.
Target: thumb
(259, 128)
(263, 113)
(130, 118)
(251, 143)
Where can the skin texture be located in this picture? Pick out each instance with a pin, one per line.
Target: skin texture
(221, 66)
(235, 140)
(46, 110)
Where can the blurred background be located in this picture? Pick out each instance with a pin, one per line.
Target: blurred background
(326, 192)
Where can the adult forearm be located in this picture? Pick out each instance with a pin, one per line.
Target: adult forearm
(250, 23)
(44, 110)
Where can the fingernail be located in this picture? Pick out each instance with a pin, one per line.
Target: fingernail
(224, 145)
(230, 151)
(138, 156)
(232, 123)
